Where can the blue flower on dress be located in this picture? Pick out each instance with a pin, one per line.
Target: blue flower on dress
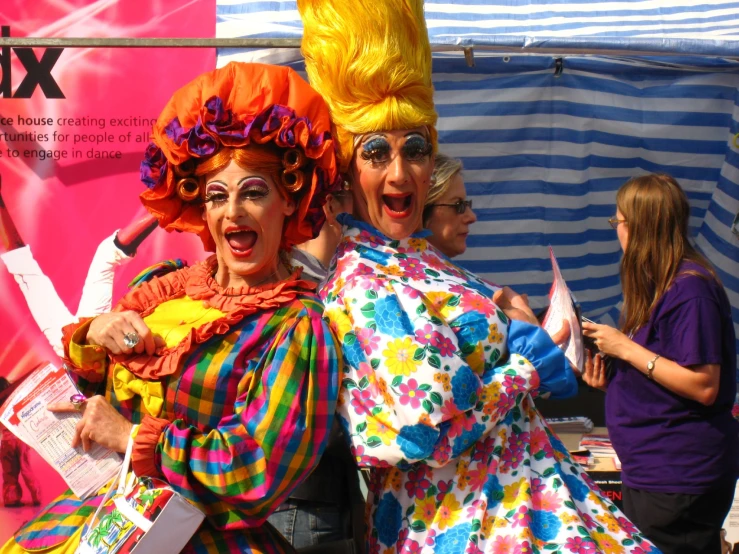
(417, 441)
(493, 490)
(391, 319)
(353, 353)
(557, 444)
(467, 439)
(578, 489)
(388, 519)
(455, 540)
(374, 255)
(544, 525)
(483, 289)
(471, 328)
(465, 388)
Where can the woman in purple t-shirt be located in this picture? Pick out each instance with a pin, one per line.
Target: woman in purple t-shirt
(669, 398)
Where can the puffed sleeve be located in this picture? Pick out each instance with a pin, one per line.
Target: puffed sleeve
(417, 385)
(241, 470)
(535, 344)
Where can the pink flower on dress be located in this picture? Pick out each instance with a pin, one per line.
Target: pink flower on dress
(587, 520)
(460, 423)
(411, 548)
(546, 501)
(504, 544)
(431, 538)
(539, 442)
(473, 302)
(627, 526)
(522, 518)
(360, 270)
(483, 451)
(367, 340)
(411, 394)
(433, 261)
(518, 441)
(411, 292)
(417, 484)
(374, 240)
(577, 545)
(505, 402)
(443, 451)
(426, 335)
(457, 289)
(512, 458)
(371, 284)
(444, 487)
(513, 384)
(446, 347)
(524, 548)
(537, 485)
(362, 401)
(413, 268)
(478, 476)
(472, 548)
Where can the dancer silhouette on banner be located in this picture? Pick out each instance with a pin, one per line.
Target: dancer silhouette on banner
(47, 308)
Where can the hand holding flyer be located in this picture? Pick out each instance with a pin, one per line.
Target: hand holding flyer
(50, 434)
(562, 311)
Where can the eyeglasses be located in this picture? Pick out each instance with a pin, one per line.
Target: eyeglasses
(613, 222)
(460, 206)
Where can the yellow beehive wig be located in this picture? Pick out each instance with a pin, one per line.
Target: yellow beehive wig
(371, 61)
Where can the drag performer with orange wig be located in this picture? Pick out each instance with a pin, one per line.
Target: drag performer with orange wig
(224, 374)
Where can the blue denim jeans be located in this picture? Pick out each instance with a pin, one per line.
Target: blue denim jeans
(306, 523)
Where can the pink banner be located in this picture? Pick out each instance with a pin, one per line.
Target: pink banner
(74, 124)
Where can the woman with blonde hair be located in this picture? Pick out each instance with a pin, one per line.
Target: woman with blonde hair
(669, 399)
(438, 386)
(448, 214)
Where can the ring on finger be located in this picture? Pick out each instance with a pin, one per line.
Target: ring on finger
(78, 401)
(131, 339)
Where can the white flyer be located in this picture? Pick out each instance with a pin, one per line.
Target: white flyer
(561, 309)
(50, 434)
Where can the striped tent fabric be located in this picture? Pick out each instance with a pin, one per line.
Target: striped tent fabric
(546, 140)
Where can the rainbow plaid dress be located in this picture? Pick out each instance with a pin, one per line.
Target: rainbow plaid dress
(235, 409)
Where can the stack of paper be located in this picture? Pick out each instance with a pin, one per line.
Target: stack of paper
(598, 445)
(578, 424)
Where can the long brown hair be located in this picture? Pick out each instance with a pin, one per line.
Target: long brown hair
(656, 211)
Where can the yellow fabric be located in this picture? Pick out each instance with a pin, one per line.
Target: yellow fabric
(67, 547)
(85, 355)
(174, 319)
(126, 385)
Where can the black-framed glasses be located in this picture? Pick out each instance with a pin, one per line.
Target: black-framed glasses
(460, 206)
(614, 222)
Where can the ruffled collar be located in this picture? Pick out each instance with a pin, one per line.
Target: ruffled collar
(197, 282)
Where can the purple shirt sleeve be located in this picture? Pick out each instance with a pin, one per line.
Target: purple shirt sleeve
(692, 326)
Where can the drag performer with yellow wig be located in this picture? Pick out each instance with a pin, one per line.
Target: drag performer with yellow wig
(224, 373)
(438, 385)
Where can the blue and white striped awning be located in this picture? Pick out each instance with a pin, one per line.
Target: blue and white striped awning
(674, 26)
(544, 154)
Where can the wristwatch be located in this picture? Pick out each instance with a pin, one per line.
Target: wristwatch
(650, 367)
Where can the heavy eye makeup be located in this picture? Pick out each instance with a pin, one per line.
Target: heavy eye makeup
(416, 148)
(376, 150)
(251, 188)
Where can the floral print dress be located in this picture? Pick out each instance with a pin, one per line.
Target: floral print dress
(436, 397)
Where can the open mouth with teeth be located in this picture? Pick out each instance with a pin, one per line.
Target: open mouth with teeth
(241, 241)
(398, 205)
